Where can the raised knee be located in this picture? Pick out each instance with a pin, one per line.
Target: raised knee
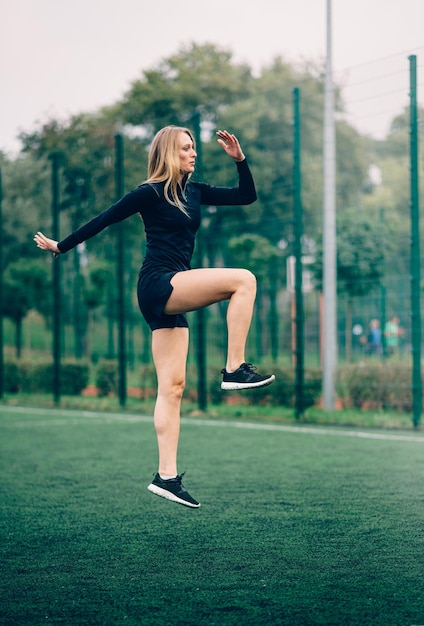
(249, 280)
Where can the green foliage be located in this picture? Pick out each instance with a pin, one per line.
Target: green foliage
(361, 250)
(397, 142)
(254, 252)
(282, 391)
(26, 187)
(95, 283)
(74, 377)
(385, 384)
(11, 381)
(197, 77)
(37, 377)
(107, 377)
(27, 286)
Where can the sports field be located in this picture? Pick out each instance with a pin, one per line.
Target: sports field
(298, 525)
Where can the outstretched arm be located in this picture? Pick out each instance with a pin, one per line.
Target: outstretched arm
(45, 243)
(231, 145)
(133, 202)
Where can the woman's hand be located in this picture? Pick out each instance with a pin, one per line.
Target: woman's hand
(231, 145)
(45, 243)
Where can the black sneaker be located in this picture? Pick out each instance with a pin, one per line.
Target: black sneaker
(245, 377)
(173, 489)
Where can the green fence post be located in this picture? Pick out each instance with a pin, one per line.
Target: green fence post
(383, 299)
(298, 233)
(57, 296)
(201, 313)
(119, 192)
(415, 257)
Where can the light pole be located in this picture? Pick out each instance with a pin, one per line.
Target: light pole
(329, 356)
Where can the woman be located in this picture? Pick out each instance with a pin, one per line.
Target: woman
(167, 287)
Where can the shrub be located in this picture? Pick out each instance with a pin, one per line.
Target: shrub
(282, 391)
(12, 378)
(107, 377)
(377, 384)
(36, 377)
(31, 377)
(74, 377)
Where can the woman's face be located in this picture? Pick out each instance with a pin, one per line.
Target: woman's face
(186, 153)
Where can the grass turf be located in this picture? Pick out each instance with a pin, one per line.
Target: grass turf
(295, 528)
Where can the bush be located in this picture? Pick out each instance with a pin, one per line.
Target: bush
(282, 392)
(74, 377)
(31, 377)
(36, 377)
(107, 377)
(376, 385)
(12, 377)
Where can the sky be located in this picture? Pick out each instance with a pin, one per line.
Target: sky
(61, 58)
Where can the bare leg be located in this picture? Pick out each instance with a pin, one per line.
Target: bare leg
(169, 348)
(195, 289)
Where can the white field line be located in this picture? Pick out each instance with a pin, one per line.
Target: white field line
(72, 417)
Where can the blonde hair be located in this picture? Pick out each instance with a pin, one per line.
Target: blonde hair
(164, 162)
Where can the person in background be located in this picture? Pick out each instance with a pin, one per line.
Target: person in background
(170, 207)
(393, 333)
(374, 339)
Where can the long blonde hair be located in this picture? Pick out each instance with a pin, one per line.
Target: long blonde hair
(164, 162)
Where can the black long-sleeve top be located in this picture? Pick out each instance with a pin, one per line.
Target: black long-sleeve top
(170, 233)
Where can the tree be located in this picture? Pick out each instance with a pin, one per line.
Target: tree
(95, 282)
(25, 198)
(361, 249)
(25, 287)
(391, 195)
(197, 77)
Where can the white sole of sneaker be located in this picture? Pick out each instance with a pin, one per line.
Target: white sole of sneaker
(238, 386)
(163, 493)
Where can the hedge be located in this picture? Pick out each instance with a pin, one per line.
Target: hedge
(107, 377)
(29, 377)
(382, 385)
(370, 384)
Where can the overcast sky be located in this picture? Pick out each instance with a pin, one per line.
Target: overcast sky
(59, 58)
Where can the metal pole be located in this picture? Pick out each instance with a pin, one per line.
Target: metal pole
(1, 293)
(415, 259)
(119, 191)
(298, 233)
(329, 233)
(57, 303)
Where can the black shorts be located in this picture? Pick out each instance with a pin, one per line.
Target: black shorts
(153, 291)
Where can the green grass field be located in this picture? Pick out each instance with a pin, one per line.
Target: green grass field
(299, 525)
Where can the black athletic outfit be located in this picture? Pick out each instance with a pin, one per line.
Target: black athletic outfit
(170, 235)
